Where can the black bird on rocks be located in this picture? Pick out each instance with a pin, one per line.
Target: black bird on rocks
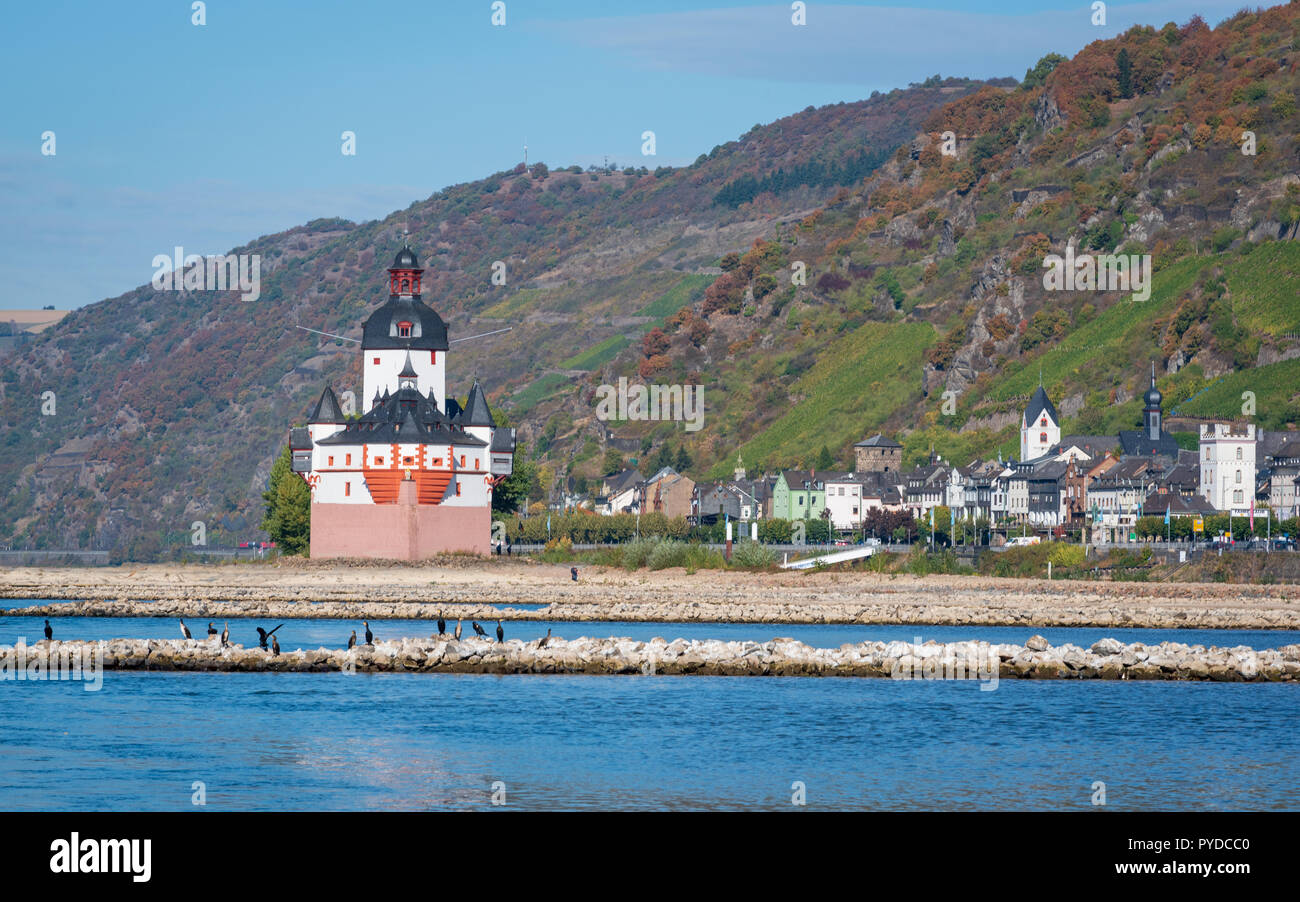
(352, 640)
(275, 646)
(370, 637)
(263, 635)
(457, 633)
(185, 630)
(541, 643)
(573, 571)
(477, 629)
(442, 625)
(501, 633)
(212, 630)
(49, 633)
(225, 635)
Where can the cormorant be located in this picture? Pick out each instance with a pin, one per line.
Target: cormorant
(275, 646)
(212, 630)
(352, 640)
(49, 633)
(457, 633)
(442, 625)
(477, 629)
(541, 643)
(185, 630)
(370, 637)
(225, 635)
(263, 635)
(501, 633)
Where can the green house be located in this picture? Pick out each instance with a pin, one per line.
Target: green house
(798, 495)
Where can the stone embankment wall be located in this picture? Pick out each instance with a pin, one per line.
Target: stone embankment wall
(1036, 659)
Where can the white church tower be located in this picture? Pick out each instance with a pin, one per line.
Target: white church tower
(1041, 427)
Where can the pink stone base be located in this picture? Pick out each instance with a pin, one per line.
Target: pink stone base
(404, 531)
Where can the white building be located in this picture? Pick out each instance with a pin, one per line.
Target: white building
(1040, 428)
(414, 475)
(1228, 466)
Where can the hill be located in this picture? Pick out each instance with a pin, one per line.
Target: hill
(167, 408)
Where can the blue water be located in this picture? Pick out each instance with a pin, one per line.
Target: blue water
(334, 633)
(440, 741)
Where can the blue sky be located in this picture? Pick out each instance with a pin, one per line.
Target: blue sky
(172, 134)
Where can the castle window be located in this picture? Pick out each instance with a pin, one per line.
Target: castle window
(379, 461)
(462, 460)
(476, 463)
(1042, 436)
(1043, 421)
(458, 490)
(348, 460)
(1238, 454)
(404, 330)
(376, 361)
(347, 489)
(433, 356)
(331, 460)
(1238, 477)
(1236, 497)
(407, 460)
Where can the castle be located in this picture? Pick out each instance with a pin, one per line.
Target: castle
(413, 476)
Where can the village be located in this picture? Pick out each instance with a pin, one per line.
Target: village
(1090, 488)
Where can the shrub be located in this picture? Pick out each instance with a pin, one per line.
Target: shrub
(752, 556)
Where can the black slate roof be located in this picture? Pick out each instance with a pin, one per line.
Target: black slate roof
(327, 409)
(405, 416)
(1038, 404)
(428, 331)
(877, 441)
(476, 411)
(1134, 443)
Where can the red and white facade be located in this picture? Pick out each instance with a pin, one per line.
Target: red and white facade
(412, 477)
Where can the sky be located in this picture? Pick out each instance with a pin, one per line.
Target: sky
(168, 133)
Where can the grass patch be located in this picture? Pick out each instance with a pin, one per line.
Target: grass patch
(597, 355)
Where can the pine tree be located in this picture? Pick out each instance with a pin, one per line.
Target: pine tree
(1125, 66)
(682, 462)
(824, 459)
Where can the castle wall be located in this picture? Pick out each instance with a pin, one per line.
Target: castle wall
(405, 531)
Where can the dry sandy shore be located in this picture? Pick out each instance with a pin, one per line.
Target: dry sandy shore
(483, 589)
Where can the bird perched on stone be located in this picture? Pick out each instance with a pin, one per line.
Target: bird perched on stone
(352, 640)
(457, 633)
(442, 625)
(275, 646)
(49, 633)
(225, 635)
(541, 643)
(263, 635)
(501, 633)
(478, 629)
(212, 630)
(370, 637)
(185, 630)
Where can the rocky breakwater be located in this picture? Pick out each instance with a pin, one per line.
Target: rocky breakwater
(1036, 659)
